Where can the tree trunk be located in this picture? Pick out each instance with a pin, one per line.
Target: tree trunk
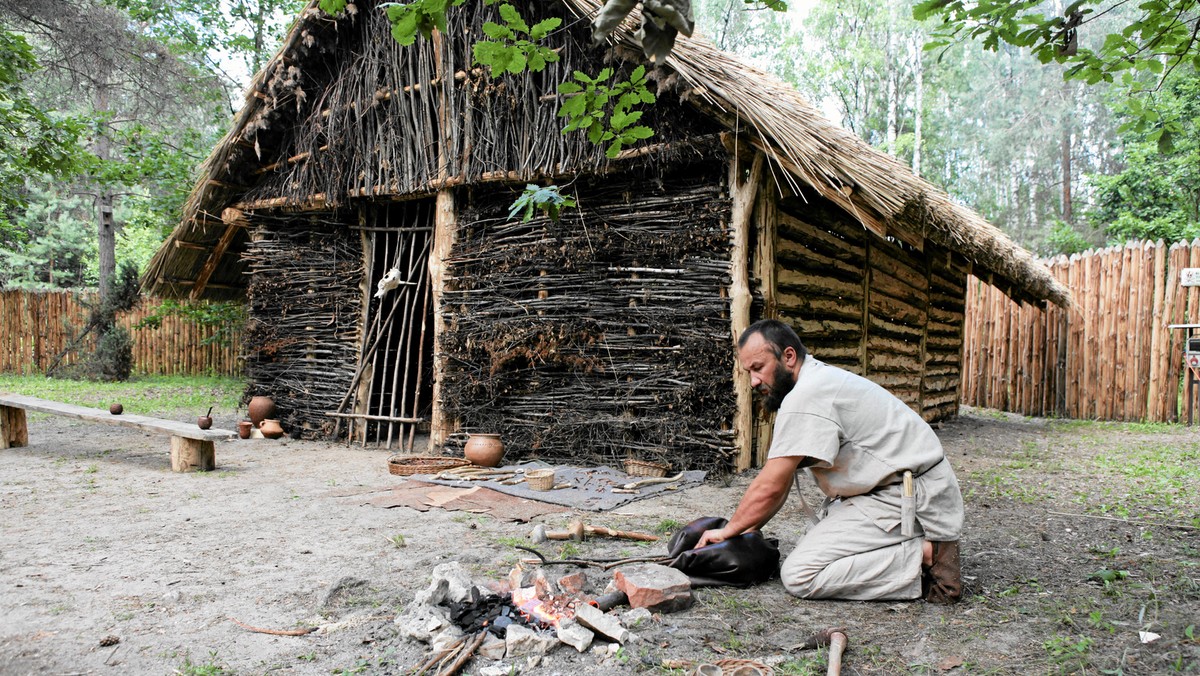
(106, 239)
(918, 111)
(890, 74)
(1066, 169)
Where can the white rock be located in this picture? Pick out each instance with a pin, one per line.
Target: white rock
(446, 638)
(575, 635)
(459, 587)
(492, 648)
(521, 640)
(421, 622)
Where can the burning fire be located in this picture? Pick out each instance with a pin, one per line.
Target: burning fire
(548, 609)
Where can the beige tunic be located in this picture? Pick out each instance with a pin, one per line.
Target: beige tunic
(859, 439)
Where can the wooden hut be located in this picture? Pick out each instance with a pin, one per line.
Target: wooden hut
(606, 334)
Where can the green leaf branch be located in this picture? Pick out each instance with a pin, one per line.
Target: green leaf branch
(421, 16)
(603, 108)
(513, 46)
(548, 200)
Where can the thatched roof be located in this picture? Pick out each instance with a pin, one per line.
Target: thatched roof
(815, 154)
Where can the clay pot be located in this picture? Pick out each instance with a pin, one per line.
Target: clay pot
(261, 407)
(244, 427)
(116, 409)
(484, 449)
(204, 422)
(270, 428)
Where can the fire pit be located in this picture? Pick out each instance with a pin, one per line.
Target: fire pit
(526, 616)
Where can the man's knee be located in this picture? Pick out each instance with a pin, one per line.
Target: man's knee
(799, 575)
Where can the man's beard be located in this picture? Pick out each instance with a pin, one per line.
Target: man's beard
(784, 382)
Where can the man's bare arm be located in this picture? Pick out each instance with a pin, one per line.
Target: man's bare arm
(762, 500)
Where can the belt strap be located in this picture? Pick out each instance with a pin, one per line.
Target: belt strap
(808, 510)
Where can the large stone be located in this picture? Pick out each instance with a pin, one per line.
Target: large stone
(603, 624)
(459, 587)
(660, 589)
(421, 622)
(521, 640)
(446, 638)
(573, 583)
(575, 635)
(493, 647)
(637, 617)
(433, 595)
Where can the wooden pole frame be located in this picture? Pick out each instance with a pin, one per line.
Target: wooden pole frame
(743, 191)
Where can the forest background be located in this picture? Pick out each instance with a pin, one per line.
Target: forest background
(1066, 126)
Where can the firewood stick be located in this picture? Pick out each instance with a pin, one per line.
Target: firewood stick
(464, 656)
(438, 657)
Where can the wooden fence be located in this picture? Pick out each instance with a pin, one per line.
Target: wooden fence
(35, 327)
(1110, 357)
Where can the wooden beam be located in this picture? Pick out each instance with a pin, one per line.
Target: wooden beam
(320, 202)
(743, 192)
(233, 219)
(445, 223)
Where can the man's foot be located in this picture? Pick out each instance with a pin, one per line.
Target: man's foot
(941, 579)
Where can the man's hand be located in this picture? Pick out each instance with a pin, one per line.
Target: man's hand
(712, 537)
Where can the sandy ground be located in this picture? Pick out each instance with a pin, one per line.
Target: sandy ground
(101, 542)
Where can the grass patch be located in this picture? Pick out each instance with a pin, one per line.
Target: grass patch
(209, 668)
(145, 395)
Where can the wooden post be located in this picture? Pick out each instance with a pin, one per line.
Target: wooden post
(14, 432)
(192, 455)
(1155, 410)
(445, 232)
(766, 221)
(742, 191)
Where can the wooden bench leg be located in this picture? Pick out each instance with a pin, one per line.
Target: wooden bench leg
(14, 432)
(192, 455)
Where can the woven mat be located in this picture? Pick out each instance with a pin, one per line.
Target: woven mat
(587, 488)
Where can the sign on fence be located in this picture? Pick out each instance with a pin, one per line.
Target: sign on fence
(1189, 277)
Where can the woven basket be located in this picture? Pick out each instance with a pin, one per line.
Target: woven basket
(540, 479)
(645, 468)
(406, 465)
(732, 666)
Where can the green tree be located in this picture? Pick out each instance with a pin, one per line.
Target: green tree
(1096, 40)
(33, 140)
(144, 106)
(1156, 193)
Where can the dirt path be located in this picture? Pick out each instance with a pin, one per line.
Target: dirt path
(100, 541)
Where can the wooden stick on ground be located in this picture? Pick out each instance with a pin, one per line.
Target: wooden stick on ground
(275, 632)
(465, 655)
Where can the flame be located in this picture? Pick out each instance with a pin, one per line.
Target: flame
(548, 609)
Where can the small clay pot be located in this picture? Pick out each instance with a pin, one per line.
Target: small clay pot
(204, 422)
(244, 428)
(261, 407)
(484, 450)
(116, 409)
(270, 428)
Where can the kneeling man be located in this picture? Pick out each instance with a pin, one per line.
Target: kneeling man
(857, 440)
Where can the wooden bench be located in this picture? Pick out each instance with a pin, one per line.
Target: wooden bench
(191, 447)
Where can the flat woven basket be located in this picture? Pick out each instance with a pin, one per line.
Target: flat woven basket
(645, 468)
(406, 465)
(747, 667)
